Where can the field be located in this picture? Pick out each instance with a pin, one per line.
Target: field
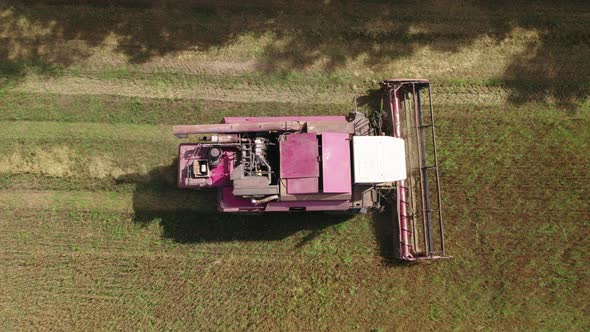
(94, 235)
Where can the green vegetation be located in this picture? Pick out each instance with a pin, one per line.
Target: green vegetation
(95, 235)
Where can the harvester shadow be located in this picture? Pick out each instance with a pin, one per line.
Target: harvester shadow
(186, 216)
(190, 216)
(370, 102)
(384, 233)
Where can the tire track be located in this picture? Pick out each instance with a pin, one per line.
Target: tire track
(445, 95)
(89, 86)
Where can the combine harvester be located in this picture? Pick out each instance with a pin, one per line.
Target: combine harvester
(329, 163)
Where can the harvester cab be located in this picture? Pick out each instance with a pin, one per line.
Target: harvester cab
(329, 163)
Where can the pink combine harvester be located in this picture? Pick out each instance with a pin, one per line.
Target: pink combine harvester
(329, 163)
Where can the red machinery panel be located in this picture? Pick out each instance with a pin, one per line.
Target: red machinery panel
(299, 156)
(302, 186)
(336, 163)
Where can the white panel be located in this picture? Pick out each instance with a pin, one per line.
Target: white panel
(378, 159)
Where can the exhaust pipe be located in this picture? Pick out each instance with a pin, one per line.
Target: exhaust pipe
(265, 199)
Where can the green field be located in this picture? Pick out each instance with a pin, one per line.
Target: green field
(94, 235)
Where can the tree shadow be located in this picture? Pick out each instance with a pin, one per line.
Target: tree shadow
(14, 70)
(300, 34)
